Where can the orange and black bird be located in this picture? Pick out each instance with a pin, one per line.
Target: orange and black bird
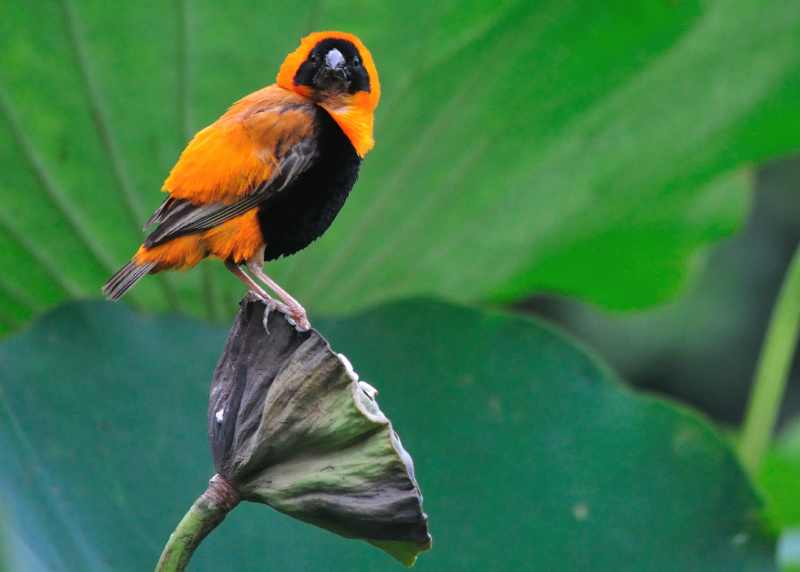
(269, 176)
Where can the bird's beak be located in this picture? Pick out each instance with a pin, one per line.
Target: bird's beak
(334, 72)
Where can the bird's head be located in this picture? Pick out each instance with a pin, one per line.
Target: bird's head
(336, 71)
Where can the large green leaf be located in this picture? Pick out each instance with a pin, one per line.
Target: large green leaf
(584, 147)
(530, 454)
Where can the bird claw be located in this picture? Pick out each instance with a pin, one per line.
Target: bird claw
(300, 321)
(297, 319)
(295, 316)
(269, 306)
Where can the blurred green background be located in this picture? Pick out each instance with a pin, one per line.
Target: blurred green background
(623, 170)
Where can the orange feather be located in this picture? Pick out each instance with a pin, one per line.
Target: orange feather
(237, 152)
(238, 239)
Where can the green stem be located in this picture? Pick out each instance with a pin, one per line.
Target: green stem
(205, 514)
(773, 370)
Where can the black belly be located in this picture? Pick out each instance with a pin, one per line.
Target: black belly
(299, 214)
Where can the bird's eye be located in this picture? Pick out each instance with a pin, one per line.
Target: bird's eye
(356, 62)
(314, 58)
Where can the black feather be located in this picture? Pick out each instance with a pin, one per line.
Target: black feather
(125, 278)
(295, 218)
(160, 213)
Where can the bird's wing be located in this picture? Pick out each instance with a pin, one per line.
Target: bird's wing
(184, 217)
(255, 150)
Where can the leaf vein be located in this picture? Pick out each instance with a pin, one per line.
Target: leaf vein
(131, 200)
(51, 188)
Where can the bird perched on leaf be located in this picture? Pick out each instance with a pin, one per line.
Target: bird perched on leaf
(269, 176)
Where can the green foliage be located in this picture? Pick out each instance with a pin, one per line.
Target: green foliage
(530, 454)
(583, 147)
(779, 477)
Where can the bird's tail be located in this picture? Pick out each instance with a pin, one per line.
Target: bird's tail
(125, 278)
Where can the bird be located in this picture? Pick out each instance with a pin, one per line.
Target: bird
(270, 175)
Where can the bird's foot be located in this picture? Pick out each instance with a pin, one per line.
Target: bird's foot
(298, 317)
(295, 315)
(270, 304)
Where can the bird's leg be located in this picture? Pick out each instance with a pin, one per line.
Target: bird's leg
(295, 309)
(253, 286)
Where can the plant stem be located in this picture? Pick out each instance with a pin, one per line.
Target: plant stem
(773, 370)
(205, 514)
